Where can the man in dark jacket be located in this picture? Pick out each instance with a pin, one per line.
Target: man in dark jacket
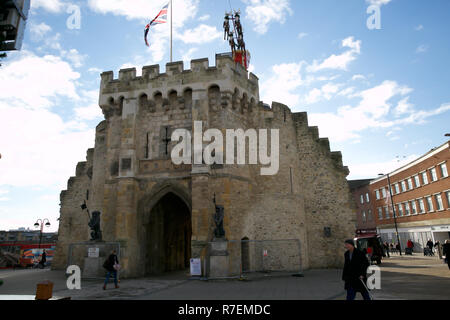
(110, 266)
(355, 271)
(446, 252)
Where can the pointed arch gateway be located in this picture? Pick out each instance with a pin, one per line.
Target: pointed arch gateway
(167, 222)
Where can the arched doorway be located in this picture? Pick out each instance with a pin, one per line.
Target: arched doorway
(169, 232)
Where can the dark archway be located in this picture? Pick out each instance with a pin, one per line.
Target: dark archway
(169, 233)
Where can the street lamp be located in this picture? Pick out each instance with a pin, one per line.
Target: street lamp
(40, 223)
(393, 209)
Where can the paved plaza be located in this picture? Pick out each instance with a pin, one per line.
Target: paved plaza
(403, 278)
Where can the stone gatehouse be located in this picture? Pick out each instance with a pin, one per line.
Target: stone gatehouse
(161, 213)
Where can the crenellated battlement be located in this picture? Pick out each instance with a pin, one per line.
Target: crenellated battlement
(226, 74)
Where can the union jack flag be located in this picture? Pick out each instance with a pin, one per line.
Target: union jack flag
(159, 19)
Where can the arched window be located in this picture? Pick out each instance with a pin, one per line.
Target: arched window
(214, 96)
(143, 101)
(173, 99)
(158, 100)
(187, 96)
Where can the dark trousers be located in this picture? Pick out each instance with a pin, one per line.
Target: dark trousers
(108, 275)
(351, 294)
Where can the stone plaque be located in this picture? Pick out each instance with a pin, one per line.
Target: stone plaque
(93, 252)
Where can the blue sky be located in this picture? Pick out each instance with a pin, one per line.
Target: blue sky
(381, 96)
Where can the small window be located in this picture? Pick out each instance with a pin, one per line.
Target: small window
(421, 206)
(400, 210)
(380, 214)
(440, 204)
(383, 192)
(448, 199)
(126, 164)
(397, 188)
(410, 184)
(407, 209)
(413, 207)
(425, 177)
(444, 172)
(430, 204)
(362, 199)
(417, 181)
(403, 186)
(367, 197)
(377, 194)
(370, 215)
(433, 174)
(386, 212)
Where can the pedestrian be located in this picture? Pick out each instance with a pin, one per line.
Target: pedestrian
(438, 247)
(43, 259)
(386, 249)
(410, 247)
(112, 266)
(397, 247)
(430, 246)
(355, 272)
(446, 252)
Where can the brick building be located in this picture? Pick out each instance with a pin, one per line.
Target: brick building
(421, 196)
(365, 220)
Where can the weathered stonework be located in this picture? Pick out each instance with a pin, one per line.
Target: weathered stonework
(129, 174)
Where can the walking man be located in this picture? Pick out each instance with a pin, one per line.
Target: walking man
(355, 272)
(111, 265)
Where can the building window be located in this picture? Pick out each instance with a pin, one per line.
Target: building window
(413, 207)
(364, 218)
(370, 215)
(410, 184)
(400, 209)
(444, 172)
(362, 199)
(407, 209)
(421, 206)
(433, 174)
(386, 212)
(430, 204)
(377, 194)
(403, 186)
(383, 192)
(424, 177)
(380, 214)
(440, 204)
(417, 181)
(397, 188)
(448, 199)
(367, 197)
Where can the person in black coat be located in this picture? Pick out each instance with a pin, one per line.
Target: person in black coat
(355, 271)
(109, 266)
(43, 259)
(446, 252)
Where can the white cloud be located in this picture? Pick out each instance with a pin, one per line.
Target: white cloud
(419, 27)
(339, 62)
(204, 17)
(54, 6)
(403, 107)
(187, 56)
(39, 148)
(91, 110)
(358, 77)
(280, 86)
(301, 35)
(38, 31)
(372, 169)
(36, 81)
(183, 11)
(422, 48)
(326, 92)
(74, 57)
(201, 34)
(263, 12)
(378, 2)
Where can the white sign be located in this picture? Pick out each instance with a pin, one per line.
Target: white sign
(93, 252)
(196, 267)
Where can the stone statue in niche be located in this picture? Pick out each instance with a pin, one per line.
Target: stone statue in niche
(94, 224)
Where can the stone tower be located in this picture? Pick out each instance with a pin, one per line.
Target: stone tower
(161, 213)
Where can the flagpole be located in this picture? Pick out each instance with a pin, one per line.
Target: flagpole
(171, 30)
